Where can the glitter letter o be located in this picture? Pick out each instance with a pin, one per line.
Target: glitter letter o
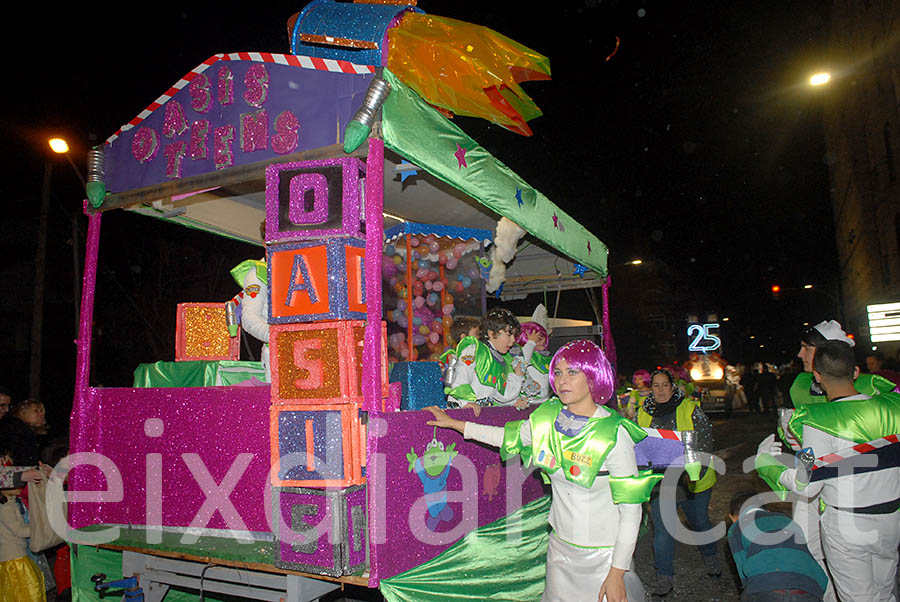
(145, 145)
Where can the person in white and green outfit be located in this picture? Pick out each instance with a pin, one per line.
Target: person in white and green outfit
(483, 373)
(668, 408)
(806, 391)
(251, 275)
(858, 510)
(586, 452)
(532, 340)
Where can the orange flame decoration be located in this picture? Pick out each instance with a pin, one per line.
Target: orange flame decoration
(467, 69)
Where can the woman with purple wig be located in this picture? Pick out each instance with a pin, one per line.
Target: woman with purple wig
(586, 453)
(533, 341)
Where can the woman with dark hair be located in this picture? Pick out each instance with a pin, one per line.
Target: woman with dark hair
(20, 430)
(484, 374)
(668, 408)
(586, 452)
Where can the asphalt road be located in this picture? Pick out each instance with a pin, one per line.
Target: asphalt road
(736, 439)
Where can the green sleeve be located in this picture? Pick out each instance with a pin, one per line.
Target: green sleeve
(635, 489)
(769, 470)
(512, 443)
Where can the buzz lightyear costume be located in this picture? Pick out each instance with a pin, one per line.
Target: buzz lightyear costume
(482, 375)
(860, 523)
(805, 391)
(597, 492)
(536, 387)
(251, 275)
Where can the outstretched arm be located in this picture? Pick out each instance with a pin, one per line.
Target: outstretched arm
(442, 420)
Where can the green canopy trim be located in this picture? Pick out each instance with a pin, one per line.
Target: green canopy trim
(418, 132)
(504, 560)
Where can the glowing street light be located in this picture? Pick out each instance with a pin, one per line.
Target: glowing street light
(636, 262)
(59, 146)
(820, 79)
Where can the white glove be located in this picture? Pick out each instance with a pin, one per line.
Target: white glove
(769, 446)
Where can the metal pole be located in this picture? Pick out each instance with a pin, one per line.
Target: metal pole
(40, 268)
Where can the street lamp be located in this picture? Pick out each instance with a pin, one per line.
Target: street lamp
(819, 79)
(636, 262)
(60, 147)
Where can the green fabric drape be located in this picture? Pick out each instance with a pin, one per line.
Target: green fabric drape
(486, 564)
(201, 373)
(418, 132)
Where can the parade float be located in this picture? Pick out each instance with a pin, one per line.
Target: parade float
(383, 220)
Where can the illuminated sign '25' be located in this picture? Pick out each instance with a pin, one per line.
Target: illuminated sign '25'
(704, 340)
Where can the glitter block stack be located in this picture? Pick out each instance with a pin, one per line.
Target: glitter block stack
(323, 532)
(201, 333)
(317, 312)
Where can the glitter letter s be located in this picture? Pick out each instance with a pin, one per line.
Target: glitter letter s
(257, 82)
(312, 367)
(287, 133)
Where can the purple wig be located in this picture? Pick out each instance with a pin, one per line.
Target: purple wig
(640, 374)
(589, 358)
(529, 328)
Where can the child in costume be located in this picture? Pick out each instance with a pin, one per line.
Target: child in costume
(641, 391)
(484, 373)
(20, 577)
(533, 341)
(771, 555)
(462, 327)
(586, 453)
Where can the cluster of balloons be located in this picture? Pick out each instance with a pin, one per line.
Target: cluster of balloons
(431, 300)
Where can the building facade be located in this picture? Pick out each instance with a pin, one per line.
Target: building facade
(862, 132)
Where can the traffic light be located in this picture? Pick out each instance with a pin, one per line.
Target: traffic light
(776, 291)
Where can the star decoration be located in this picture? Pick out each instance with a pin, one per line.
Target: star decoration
(519, 197)
(580, 270)
(556, 221)
(407, 172)
(461, 156)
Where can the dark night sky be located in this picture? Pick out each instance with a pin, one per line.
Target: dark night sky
(696, 144)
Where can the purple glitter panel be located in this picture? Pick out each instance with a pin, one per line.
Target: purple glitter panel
(659, 452)
(356, 541)
(134, 159)
(329, 451)
(314, 514)
(374, 205)
(411, 518)
(298, 209)
(194, 432)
